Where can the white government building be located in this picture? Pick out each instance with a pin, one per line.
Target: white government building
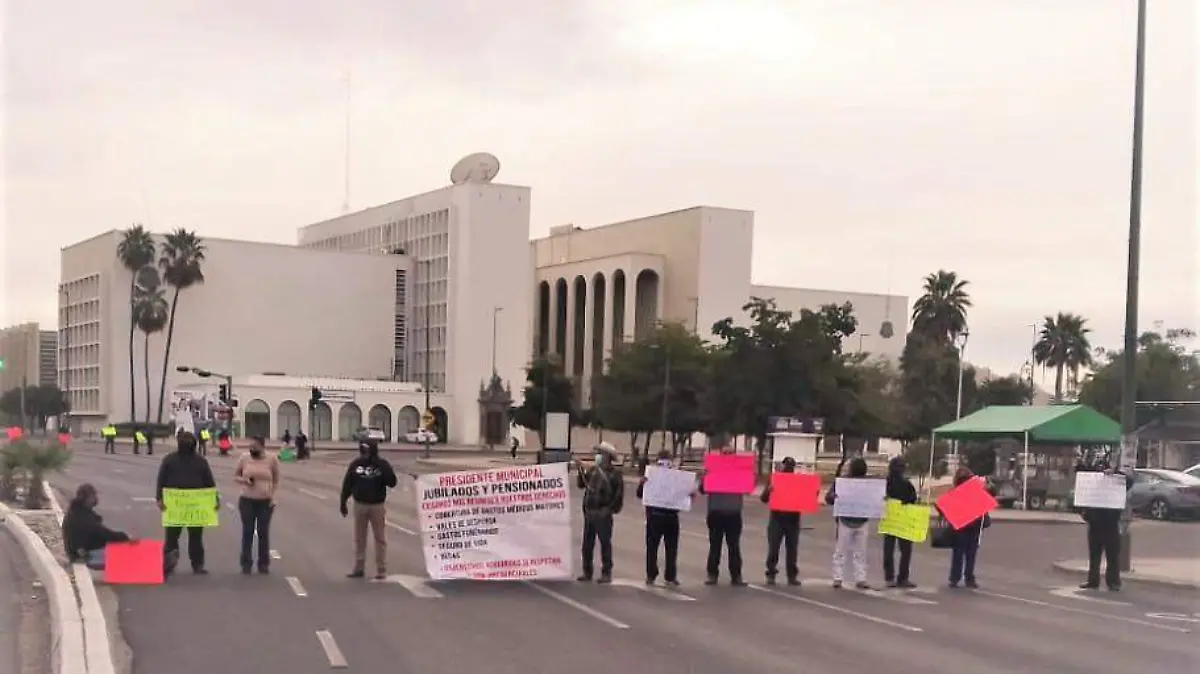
(443, 287)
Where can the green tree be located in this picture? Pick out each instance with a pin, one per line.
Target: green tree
(136, 252)
(41, 403)
(941, 310)
(548, 390)
(1063, 345)
(150, 316)
(929, 384)
(182, 265)
(1010, 390)
(1168, 369)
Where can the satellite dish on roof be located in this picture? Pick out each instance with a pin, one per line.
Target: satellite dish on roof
(480, 167)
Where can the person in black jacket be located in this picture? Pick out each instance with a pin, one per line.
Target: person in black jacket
(902, 490)
(603, 496)
(84, 533)
(184, 469)
(966, 541)
(662, 526)
(1103, 538)
(367, 480)
(783, 528)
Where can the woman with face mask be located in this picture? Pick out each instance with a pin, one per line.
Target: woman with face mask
(258, 473)
(84, 534)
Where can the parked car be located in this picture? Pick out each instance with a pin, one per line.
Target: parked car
(421, 436)
(1165, 494)
(1194, 471)
(370, 433)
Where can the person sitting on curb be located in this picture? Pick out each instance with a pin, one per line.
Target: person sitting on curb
(83, 530)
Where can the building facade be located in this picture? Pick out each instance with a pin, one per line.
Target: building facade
(469, 314)
(261, 308)
(30, 356)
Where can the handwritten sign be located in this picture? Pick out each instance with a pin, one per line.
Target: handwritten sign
(190, 508)
(728, 473)
(859, 497)
(668, 488)
(966, 503)
(139, 563)
(907, 521)
(795, 493)
(1097, 490)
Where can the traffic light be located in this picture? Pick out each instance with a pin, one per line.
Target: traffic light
(314, 397)
(223, 393)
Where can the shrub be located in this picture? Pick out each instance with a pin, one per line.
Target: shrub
(48, 458)
(13, 460)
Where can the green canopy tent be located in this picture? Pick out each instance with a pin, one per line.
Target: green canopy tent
(1042, 424)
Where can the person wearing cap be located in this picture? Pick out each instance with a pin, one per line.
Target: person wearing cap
(603, 496)
(902, 490)
(724, 520)
(367, 480)
(783, 528)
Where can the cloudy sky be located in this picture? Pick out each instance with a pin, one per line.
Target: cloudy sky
(876, 140)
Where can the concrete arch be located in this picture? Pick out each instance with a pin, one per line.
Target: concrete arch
(600, 302)
(619, 292)
(379, 416)
(256, 419)
(542, 344)
(349, 421)
(579, 290)
(441, 424)
(646, 291)
(408, 421)
(559, 344)
(322, 422)
(288, 418)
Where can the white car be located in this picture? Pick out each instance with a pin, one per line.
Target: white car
(421, 436)
(370, 433)
(1194, 471)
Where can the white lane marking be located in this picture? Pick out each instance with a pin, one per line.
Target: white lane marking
(311, 493)
(1194, 618)
(118, 470)
(1070, 609)
(229, 504)
(332, 652)
(294, 583)
(401, 529)
(653, 589)
(1067, 592)
(839, 609)
(602, 617)
(419, 587)
(898, 596)
(144, 499)
(275, 555)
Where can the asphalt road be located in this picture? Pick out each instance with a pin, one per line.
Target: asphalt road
(24, 613)
(1025, 617)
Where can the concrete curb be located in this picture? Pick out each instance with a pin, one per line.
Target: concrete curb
(1035, 520)
(1080, 568)
(97, 647)
(66, 628)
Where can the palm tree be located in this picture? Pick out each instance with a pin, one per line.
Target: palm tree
(150, 316)
(136, 252)
(1064, 346)
(182, 266)
(941, 310)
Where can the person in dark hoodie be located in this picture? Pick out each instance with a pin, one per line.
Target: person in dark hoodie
(84, 533)
(724, 520)
(851, 535)
(966, 541)
(1103, 537)
(367, 480)
(184, 469)
(902, 490)
(783, 528)
(603, 496)
(662, 526)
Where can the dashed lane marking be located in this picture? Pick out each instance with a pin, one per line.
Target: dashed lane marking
(275, 555)
(401, 529)
(564, 599)
(896, 595)
(653, 589)
(144, 499)
(1068, 592)
(838, 609)
(416, 585)
(311, 493)
(332, 652)
(1079, 611)
(294, 583)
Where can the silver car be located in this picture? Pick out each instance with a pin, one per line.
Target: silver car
(1165, 494)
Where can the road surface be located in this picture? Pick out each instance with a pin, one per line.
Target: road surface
(24, 613)
(307, 617)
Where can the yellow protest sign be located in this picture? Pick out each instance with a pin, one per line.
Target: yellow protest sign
(908, 522)
(190, 508)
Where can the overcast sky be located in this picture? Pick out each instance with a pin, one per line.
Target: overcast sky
(876, 140)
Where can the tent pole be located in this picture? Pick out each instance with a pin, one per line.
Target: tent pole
(1025, 475)
(932, 453)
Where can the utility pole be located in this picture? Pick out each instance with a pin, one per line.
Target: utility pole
(958, 405)
(24, 420)
(666, 395)
(1127, 452)
(66, 356)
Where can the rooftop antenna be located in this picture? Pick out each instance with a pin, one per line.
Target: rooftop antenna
(346, 166)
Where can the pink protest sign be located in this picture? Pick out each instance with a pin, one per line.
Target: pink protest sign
(966, 503)
(14, 432)
(728, 473)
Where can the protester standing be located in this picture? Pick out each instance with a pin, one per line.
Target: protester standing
(205, 435)
(258, 474)
(662, 527)
(724, 520)
(301, 446)
(1103, 539)
(966, 541)
(783, 528)
(109, 433)
(902, 490)
(185, 469)
(851, 535)
(603, 496)
(367, 480)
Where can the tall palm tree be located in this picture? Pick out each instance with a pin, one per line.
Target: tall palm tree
(150, 316)
(941, 310)
(1064, 346)
(135, 251)
(182, 263)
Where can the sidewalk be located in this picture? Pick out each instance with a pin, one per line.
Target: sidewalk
(1169, 571)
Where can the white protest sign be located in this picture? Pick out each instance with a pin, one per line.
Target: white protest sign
(184, 421)
(668, 488)
(500, 524)
(1097, 490)
(859, 497)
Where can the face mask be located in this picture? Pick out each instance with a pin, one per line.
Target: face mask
(256, 453)
(599, 458)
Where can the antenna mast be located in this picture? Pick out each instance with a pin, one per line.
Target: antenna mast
(346, 166)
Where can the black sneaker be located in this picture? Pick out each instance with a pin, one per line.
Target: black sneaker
(649, 581)
(971, 585)
(889, 582)
(356, 574)
(737, 582)
(604, 579)
(906, 585)
(1089, 585)
(1116, 587)
(711, 580)
(794, 582)
(584, 578)
(199, 570)
(246, 570)
(770, 580)
(672, 582)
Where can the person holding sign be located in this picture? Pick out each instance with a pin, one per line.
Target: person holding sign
(851, 535)
(783, 528)
(1103, 537)
(900, 489)
(662, 526)
(724, 520)
(84, 533)
(966, 541)
(603, 496)
(258, 474)
(185, 469)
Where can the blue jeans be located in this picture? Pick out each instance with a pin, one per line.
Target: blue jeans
(95, 560)
(256, 519)
(962, 561)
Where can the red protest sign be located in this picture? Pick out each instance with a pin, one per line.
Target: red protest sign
(728, 473)
(64, 438)
(14, 432)
(795, 492)
(966, 503)
(139, 563)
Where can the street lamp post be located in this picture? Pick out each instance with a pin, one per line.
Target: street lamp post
(861, 336)
(958, 404)
(65, 346)
(1129, 358)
